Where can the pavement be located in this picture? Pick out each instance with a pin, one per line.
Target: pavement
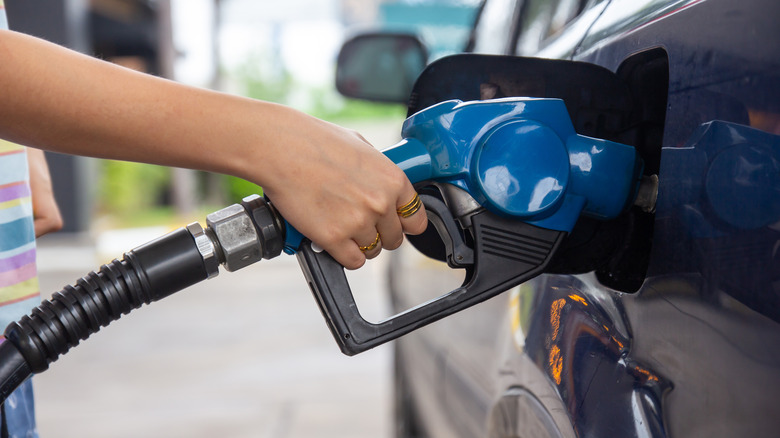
(246, 354)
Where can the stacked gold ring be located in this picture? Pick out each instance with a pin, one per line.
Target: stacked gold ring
(371, 246)
(410, 207)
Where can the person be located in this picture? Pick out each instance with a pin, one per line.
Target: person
(327, 181)
(27, 211)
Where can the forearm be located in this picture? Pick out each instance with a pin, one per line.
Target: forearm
(327, 181)
(98, 109)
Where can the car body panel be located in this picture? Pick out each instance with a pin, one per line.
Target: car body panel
(696, 351)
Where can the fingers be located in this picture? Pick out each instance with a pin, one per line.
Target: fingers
(390, 230)
(388, 233)
(371, 248)
(412, 215)
(352, 254)
(357, 193)
(43, 226)
(409, 218)
(46, 213)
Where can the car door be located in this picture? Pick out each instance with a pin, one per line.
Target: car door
(699, 337)
(451, 366)
(709, 309)
(682, 323)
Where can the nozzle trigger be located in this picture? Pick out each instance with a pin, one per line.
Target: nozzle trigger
(506, 253)
(459, 255)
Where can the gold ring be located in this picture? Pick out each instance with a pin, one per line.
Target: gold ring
(371, 246)
(410, 207)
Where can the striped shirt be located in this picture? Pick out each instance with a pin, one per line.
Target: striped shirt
(18, 277)
(19, 291)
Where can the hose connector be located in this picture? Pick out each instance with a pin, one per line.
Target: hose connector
(206, 247)
(237, 236)
(244, 234)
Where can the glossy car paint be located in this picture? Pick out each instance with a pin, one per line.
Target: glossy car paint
(696, 351)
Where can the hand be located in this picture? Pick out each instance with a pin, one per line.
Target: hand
(46, 214)
(327, 181)
(339, 191)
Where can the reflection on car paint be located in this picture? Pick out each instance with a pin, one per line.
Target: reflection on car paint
(719, 192)
(575, 341)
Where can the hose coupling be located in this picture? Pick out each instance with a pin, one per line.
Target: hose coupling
(207, 248)
(242, 234)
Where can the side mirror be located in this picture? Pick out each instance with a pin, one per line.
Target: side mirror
(380, 66)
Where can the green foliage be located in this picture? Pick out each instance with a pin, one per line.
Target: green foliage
(352, 109)
(126, 188)
(271, 87)
(263, 77)
(276, 84)
(136, 194)
(238, 188)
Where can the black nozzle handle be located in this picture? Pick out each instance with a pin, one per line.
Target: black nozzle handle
(506, 253)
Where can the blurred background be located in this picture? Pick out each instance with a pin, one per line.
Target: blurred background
(246, 354)
(278, 51)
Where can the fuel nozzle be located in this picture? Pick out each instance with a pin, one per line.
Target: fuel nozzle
(239, 235)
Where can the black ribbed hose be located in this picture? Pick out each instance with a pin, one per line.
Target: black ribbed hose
(148, 273)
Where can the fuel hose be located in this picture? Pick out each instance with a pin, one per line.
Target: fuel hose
(236, 236)
(148, 273)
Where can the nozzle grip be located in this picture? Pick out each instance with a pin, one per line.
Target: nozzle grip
(507, 253)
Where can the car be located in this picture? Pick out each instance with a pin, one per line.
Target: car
(662, 322)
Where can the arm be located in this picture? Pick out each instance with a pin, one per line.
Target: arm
(328, 182)
(46, 214)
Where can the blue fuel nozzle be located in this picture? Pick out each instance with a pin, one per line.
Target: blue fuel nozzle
(520, 158)
(531, 177)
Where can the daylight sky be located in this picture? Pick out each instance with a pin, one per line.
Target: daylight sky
(306, 34)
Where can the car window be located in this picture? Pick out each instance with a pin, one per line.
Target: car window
(534, 24)
(493, 31)
(543, 19)
(566, 11)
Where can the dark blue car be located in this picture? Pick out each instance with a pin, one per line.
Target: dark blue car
(662, 322)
